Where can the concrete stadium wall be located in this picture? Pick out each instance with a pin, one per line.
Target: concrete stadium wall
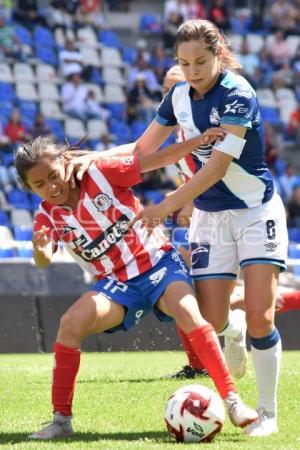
(33, 300)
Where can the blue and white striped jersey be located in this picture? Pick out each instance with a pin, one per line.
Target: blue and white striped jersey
(231, 101)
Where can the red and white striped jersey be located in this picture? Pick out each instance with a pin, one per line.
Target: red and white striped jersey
(96, 233)
(186, 166)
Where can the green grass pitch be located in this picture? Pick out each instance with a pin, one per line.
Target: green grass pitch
(120, 399)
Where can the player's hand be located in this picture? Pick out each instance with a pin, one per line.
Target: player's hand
(151, 216)
(183, 217)
(78, 165)
(40, 239)
(213, 134)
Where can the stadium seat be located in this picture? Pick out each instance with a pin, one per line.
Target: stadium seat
(109, 38)
(286, 95)
(46, 54)
(153, 196)
(235, 41)
(26, 91)
(35, 201)
(13, 174)
(6, 109)
(6, 73)
(48, 91)
(23, 72)
(97, 90)
(271, 115)
(51, 110)
(88, 37)
(46, 72)
(294, 251)
(129, 55)
(4, 177)
(149, 23)
(293, 42)
(6, 251)
(74, 128)
(23, 35)
(255, 42)
(7, 92)
(25, 249)
(18, 199)
(137, 128)
(21, 217)
(4, 219)
(22, 233)
(118, 110)
(294, 234)
(266, 97)
(7, 159)
(90, 57)
(59, 38)
(56, 127)
(6, 237)
(111, 57)
(42, 35)
(114, 94)
(96, 128)
(113, 75)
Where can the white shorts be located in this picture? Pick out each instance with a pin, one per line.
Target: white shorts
(222, 241)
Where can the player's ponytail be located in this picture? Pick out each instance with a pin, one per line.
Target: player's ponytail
(212, 38)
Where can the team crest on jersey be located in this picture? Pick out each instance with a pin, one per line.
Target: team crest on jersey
(183, 116)
(102, 202)
(214, 116)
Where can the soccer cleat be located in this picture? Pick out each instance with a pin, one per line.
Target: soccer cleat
(188, 372)
(264, 426)
(60, 427)
(235, 350)
(239, 414)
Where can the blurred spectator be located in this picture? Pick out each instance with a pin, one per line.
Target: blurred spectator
(74, 95)
(170, 27)
(141, 67)
(118, 5)
(142, 50)
(26, 12)
(287, 182)
(293, 208)
(160, 62)
(10, 46)
(294, 125)
(283, 16)
(70, 60)
(90, 13)
(219, 14)
(15, 130)
(71, 6)
(249, 61)
(39, 128)
(105, 144)
(6, 8)
(140, 104)
(57, 16)
(93, 108)
(279, 50)
(4, 140)
(295, 63)
(271, 145)
(192, 9)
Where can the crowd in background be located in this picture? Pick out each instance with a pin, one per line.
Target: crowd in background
(275, 66)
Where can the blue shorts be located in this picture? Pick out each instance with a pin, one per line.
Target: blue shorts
(140, 294)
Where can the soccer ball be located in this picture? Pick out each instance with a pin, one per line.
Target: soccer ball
(194, 413)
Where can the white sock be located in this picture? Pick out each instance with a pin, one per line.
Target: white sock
(236, 319)
(267, 367)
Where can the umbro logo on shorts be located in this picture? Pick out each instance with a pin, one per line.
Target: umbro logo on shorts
(270, 246)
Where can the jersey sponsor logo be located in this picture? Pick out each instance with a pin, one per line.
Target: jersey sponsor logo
(100, 246)
(240, 93)
(235, 107)
(67, 229)
(102, 202)
(214, 116)
(128, 160)
(182, 116)
(157, 276)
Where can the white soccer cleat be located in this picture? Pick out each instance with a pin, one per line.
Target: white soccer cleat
(239, 414)
(265, 425)
(60, 427)
(235, 350)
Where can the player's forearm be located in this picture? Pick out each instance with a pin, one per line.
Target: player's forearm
(120, 150)
(169, 155)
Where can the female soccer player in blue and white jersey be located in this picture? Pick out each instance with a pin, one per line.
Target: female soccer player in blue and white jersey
(238, 219)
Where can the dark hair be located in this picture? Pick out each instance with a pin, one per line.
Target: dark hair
(31, 153)
(212, 38)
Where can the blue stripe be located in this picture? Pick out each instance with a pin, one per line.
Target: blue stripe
(276, 262)
(228, 276)
(236, 121)
(266, 342)
(164, 122)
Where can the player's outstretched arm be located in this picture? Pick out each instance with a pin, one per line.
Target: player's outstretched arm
(42, 248)
(174, 152)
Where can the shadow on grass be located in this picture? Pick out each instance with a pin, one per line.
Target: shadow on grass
(154, 436)
(124, 380)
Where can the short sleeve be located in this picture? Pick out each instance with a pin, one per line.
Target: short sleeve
(165, 114)
(42, 220)
(239, 107)
(121, 171)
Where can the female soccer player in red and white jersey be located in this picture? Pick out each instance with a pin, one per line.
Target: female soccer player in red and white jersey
(136, 272)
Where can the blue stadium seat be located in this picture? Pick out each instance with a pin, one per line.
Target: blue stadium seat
(121, 130)
(118, 110)
(4, 177)
(6, 252)
(271, 115)
(56, 128)
(149, 23)
(4, 219)
(294, 234)
(109, 38)
(7, 159)
(42, 35)
(22, 233)
(46, 54)
(24, 35)
(6, 109)
(294, 251)
(154, 196)
(129, 55)
(35, 201)
(25, 249)
(18, 199)
(7, 92)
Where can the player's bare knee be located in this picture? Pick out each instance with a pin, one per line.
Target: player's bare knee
(259, 325)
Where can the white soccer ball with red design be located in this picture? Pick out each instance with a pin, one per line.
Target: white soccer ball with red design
(194, 413)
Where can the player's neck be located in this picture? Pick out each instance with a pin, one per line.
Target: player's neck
(198, 95)
(73, 198)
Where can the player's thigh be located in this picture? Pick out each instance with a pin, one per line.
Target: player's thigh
(261, 282)
(213, 296)
(179, 302)
(92, 313)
